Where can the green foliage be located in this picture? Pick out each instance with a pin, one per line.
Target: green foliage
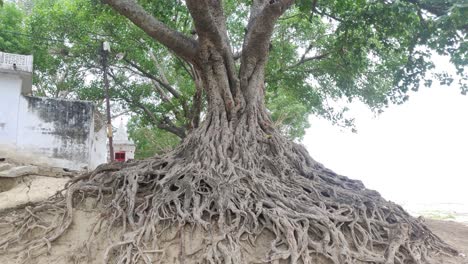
(13, 33)
(150, 141)
(438, 215)
(322, 51)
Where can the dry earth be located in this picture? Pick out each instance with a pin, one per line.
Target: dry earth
(22, 183)
(70, 248)
(455, 234)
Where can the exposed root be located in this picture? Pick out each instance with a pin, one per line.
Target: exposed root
(236, 186)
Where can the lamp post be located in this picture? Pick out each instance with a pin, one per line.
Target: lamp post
(105, 52)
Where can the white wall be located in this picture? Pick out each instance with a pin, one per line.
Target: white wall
(98, 148)
(10, 89)
(48, 131)
(62, 130)
(129, 150)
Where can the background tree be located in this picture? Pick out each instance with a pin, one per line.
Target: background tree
(12, 32)
(235, 177)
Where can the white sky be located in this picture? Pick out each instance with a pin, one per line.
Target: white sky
(412, 153)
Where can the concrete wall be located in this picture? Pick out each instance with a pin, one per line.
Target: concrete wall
(98, 148)
(57, 132)
(10, 89)
(58, 129)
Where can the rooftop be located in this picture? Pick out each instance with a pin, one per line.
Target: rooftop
(16, 62)
(121, 136)
(18, 65)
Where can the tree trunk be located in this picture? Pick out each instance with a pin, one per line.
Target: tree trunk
(236, 123)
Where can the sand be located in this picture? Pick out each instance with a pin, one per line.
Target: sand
(70, 248)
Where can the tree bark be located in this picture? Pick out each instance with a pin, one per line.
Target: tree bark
(180, 44)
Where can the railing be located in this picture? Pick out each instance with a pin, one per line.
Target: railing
(16, 62)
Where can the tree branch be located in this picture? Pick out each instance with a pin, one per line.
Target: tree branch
(197, 103)
(164, 83)
(262, 22)
(165, 124)
(180, 44)
(237, 55)
(189, 72)
(158, 66)
(160, 91)
(314, 4)
(323, 13)
(255, 9)
(439, 9)
(156, 86)
(208, 19)
(210, 23)
(263, 17)
(305, 59)
(145, 73)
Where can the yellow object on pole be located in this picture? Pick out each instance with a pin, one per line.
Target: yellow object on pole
(109, 131)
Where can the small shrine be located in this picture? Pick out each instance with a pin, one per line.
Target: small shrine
(124, 148)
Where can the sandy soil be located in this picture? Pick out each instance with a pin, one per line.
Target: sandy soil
(28, 189)
(22, 183)
(455, 234)
(70, 247)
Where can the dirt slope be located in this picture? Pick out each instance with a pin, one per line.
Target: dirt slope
(455, 234)
(69, 248)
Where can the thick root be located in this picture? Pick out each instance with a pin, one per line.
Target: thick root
(235, 192)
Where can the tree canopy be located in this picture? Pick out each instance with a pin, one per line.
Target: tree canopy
(320, 52)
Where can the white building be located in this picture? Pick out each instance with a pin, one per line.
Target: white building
(55, 132)
(124, 148)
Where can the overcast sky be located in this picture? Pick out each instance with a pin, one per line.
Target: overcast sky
(412, 153)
